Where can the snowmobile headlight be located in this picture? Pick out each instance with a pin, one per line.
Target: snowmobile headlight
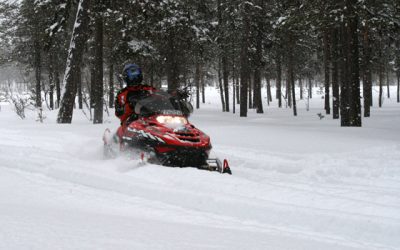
(172, 120)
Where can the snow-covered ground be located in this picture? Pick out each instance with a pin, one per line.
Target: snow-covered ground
(297, 183)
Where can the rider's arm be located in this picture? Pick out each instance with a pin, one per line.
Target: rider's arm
(119, 106)
(141, 92)
(181, 96)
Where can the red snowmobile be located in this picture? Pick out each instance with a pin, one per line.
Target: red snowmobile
(160, 133)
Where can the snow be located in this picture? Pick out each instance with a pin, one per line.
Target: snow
(141, 46)
(297, 183)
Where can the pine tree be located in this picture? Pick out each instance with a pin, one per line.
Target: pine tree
(98, 87)
(78, 40)
(244, 59)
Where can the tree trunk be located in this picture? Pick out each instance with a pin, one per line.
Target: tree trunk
(38, 75)
(381, 69)
(51, 91)
(152, 77)
(290, 76)
(381, 79)
(79, 86)
(58, 87)
(98, 68)
(51, 83)
(250, 88)
(172, 63)
(279, 80)
(344, 78)
(293, 86)
(398, 86)
(92, 83)
(352, 61)
(221, 91)
(388, 74)
(355, 101)
(203, 88)
(257, 92)
(111, 85)
(301, 88)
(327, 61)
(335, 74)
(367, 76)
(371, 97)
(238, 90)
(388, 82)
(79, 35)
(223, 56)
(310, 88)
(225, 76)
(269, 94)
(258, 62)
(197, 82)
(234, 93)
(244, 62)
(288, 90)
(234, 83)
(257, 74)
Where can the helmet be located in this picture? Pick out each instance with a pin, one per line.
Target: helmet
(132, 74)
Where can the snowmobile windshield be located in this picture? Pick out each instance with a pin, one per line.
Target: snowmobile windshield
(158, 103)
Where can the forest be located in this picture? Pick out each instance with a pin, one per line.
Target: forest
(260, 124)
(68, 54)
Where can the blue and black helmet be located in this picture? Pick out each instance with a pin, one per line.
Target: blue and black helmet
(132, 74)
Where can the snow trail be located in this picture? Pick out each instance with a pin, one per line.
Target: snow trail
(324, 187)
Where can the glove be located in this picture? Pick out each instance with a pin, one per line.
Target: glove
(182, 93)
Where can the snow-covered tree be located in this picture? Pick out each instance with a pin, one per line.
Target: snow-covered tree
(75, 52)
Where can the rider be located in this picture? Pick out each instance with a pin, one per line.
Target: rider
(128, 96)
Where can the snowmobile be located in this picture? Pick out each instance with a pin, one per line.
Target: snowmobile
(160, 133)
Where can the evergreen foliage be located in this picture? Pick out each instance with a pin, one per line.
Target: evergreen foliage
(235, 43)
